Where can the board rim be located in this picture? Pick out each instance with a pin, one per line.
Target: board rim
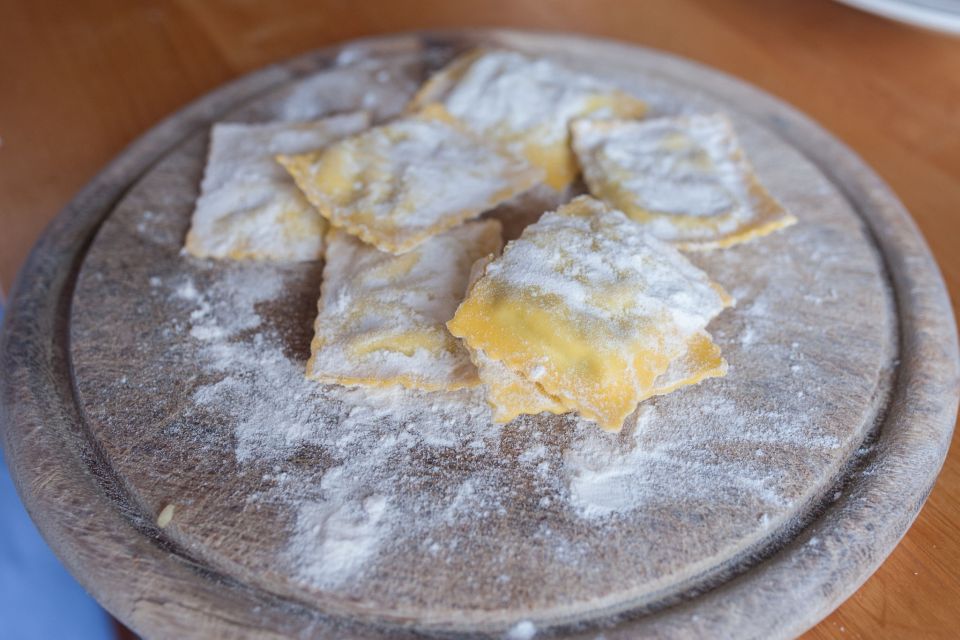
(81, 512)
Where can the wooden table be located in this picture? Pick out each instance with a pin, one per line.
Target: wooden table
(80, 80)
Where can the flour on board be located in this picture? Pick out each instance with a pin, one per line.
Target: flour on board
(375, 493)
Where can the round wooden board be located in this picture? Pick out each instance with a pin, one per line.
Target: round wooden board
(747, 506)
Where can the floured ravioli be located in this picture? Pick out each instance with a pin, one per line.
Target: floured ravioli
(510, 394)
(249, 207)
(700, 360)
(527, 104)
(593, 311)
(397, 185)
(685, 178)
(381, 86)
(381, 319)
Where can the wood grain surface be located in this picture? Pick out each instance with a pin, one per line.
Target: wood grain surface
(80, 80)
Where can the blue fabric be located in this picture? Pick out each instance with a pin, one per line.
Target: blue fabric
(38, 598)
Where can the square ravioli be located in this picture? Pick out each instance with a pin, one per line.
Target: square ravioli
(701, 359)
(381, 316)
(590, 308)
(510, 395)
(685, 178)
(397, 185)
(527, 104)
(382, 86)
(249, 207)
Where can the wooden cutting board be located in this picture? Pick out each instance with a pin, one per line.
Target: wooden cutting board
(141, 382)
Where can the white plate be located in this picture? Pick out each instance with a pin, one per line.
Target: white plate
(940, 15)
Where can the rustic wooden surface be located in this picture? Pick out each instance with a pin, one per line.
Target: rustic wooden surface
(791, 310)
(86, 78)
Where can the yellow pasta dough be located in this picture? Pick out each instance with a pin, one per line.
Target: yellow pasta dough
(397, 185)
(589, 308)
(527, 104)
(700, 360)
(684, 178)
(249, 208)
(508, 393)
(381, 316)
(511, 395)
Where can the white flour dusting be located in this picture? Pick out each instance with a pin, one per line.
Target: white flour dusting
(275, 409)
(249, 207)
(380, 86)
(376, 441)
(609, 476)
(523, 630)
(410, 179)
(507, 91)
(338, 536)
(685, 178)
(372, 299)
